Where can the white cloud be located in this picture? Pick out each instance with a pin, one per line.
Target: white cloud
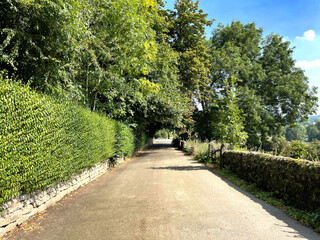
(285, 39)
(304, 64)
(308, 35)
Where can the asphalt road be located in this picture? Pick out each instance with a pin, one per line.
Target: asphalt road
(162, 194)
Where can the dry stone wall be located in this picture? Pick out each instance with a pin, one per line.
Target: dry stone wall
(25, 206)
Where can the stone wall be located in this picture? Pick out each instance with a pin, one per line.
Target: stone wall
(25, 206)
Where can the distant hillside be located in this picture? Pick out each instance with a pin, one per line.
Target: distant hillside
(314, 118)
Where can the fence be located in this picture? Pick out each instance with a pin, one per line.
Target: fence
(214, 151)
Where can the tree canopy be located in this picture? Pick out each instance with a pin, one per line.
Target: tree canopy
(112, 56)
(187, 37)
(271, 91)
(137, 62)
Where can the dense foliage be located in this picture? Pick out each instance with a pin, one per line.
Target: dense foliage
(111, 56)
(163, 133)
(187, 35)
(150, 67)
(145, 69)
(297, 149)
(44, 140)
(298, 132)
(298, 179)
(271, 91)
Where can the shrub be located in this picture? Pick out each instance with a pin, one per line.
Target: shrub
(140, 140)
(124, 140)
(296, 180)
(163, 133)
(298, 149)
(189, 147)
(201, 151)
(302, 150)
(197, 148)
(314, 150)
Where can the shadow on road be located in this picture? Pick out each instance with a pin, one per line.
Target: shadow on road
(181, 168)
(157, 146)
(145, 153)
(161, 145)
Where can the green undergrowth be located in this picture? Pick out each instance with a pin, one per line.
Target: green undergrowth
(308, 218)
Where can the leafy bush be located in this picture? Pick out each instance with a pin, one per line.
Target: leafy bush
(297, 149)
(189, 147)
(44, 140)
(163, 133)
(296, 180)
(124, 140)
(141, 139)
(197, 148)
(314, 150)
(201, 151)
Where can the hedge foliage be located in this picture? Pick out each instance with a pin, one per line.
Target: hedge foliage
(125, 140)
(44, 140)
(296, 180)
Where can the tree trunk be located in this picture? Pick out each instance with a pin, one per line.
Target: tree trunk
(95, 102)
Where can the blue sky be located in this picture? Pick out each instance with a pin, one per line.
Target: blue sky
(298, 21)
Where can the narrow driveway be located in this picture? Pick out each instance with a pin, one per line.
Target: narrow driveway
(162, 194)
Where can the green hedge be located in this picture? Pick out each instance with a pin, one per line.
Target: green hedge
(44, 140)
(296, 180)
(125, 140)
(141, 140)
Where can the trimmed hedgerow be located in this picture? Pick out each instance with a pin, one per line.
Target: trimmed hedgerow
(141, 139)
(295, 180)
(125, 140)
(44, 140)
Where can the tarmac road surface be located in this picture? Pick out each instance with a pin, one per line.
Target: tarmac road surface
(161, 194)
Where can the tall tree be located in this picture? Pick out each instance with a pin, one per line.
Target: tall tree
(111, 55)
(229, 127)
(272, 92)
(235, 48)
(130, 72)
(285, 88)
(187, 32)
(39, 40)
(298, 132)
